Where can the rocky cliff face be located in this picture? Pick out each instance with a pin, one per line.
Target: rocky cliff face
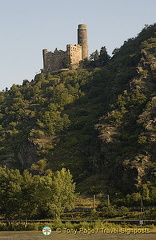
(25, 157)
(27, 154)
(126, 134)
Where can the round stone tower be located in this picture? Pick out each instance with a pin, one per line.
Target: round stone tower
(82, 39)
(45, 51)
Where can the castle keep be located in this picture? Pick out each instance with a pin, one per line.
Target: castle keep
(73, 54)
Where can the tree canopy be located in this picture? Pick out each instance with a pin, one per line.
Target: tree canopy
(24, 196)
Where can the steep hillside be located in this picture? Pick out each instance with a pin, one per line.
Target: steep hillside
(127, 138)
(97, 122)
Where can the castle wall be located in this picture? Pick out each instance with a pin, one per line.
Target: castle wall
(75, 53)
(53, 60)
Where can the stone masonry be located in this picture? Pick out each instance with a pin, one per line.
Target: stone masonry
(56, 60)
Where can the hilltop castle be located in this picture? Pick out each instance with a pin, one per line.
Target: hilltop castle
(73, 54)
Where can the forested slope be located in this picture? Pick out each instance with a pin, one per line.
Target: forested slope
(98, 121)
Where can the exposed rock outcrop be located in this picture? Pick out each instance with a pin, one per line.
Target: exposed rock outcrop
(27, 154)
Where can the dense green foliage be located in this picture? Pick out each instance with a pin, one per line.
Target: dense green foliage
(95, 120)
(96, 59)
(23, 196)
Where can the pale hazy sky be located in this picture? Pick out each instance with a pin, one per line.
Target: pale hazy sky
(28, 26)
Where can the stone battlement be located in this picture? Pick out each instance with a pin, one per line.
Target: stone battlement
(71, 57)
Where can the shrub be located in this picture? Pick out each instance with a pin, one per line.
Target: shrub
(57, 223)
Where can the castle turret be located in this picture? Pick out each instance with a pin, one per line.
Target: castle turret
(45, 51)
(82, 39)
